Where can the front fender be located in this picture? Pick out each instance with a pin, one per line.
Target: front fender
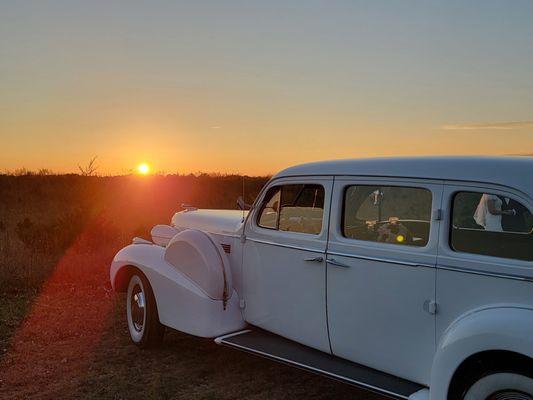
(138, 255)
(502, 327)
(181, 304)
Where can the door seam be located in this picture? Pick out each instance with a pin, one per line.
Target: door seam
(325, 262)
(439, 227)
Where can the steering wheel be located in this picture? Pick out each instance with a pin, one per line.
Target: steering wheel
(394, 232)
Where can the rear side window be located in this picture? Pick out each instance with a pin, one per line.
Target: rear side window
(387, 214)
(293, 208)
(492, 225)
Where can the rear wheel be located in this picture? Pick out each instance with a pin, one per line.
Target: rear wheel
(501, 386)
(141, 313)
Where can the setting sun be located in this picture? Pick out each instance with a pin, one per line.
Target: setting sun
(143, 169)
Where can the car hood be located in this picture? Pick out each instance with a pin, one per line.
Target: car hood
(226, 222)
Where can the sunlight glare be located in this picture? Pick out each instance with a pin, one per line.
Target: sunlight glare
(143, 169)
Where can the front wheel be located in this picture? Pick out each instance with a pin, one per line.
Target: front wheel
(141, 313)
(501, 386)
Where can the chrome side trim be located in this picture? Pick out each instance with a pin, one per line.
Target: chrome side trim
(317, 370)
(335, 253)
(483, 230)
(230, 235)
(379, 259)
(288, 246)
(486, 273)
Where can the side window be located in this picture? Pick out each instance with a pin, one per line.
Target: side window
(293, 208)
(387, 214)
(492, 225)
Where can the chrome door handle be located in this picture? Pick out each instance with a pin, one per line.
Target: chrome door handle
(332, 261)
(314, 259)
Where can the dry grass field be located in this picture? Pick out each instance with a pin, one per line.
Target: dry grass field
(63, 331)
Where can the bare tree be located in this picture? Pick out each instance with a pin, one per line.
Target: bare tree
(90, 168)
(44, 172)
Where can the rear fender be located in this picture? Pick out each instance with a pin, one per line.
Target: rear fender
(499, 327)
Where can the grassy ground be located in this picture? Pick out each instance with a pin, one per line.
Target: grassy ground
(13, 308)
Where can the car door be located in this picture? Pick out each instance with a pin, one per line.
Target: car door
(284, 271)
(494, 265)
(381, 273)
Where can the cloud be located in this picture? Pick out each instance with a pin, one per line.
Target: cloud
(491, 125)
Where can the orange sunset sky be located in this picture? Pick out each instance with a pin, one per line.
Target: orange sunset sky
(252, 87)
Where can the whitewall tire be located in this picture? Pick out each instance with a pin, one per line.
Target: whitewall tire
(141, 313)
(501, 386)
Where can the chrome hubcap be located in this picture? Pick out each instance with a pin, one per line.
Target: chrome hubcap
(137, 308)
(510, 394)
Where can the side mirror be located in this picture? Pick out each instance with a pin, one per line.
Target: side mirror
(242, 205)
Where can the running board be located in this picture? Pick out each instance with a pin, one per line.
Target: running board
(277, 348)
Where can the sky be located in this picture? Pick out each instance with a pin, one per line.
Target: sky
(254, 86)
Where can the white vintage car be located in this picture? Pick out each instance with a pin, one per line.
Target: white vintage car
(411, 277)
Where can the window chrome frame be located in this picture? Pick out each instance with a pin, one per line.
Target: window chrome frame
(385, 185)
(280, 182)
(449, 259)
(451, 204)
(389, 253)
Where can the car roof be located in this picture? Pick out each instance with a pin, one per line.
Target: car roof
(512, 171)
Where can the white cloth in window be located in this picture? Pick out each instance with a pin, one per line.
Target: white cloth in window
(483, 217)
